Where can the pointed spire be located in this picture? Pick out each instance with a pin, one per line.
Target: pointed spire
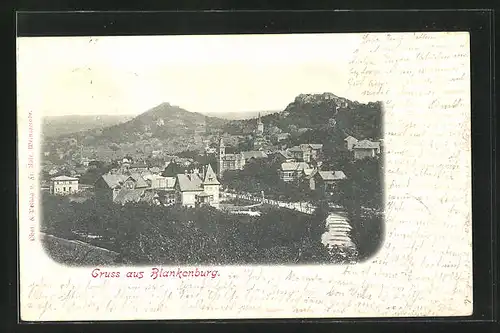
(210, 177)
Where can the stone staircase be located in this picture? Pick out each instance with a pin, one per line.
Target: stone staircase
(338, 231)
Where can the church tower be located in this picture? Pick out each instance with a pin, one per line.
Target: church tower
(222, 154)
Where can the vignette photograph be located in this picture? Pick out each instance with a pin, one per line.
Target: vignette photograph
(204, 150)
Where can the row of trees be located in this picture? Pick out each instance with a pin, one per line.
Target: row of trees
(96, 170)
(262, 175)
(144, 234)
(362, 187)
(362, 195)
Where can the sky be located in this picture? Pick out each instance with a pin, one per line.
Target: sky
(208, 74)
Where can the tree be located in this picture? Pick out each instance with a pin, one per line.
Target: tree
(362, 196)
(144, 234)
(172, 170)
(92, 174)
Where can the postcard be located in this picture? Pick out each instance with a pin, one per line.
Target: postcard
(244, 176)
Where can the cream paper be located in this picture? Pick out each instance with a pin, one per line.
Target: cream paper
(424, 267)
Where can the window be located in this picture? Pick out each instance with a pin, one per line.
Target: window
(64, 189)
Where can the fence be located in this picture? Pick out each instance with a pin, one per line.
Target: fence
(338, 227)
(303, 207)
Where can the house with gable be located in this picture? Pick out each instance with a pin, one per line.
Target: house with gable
(313, 150)
(325, 181)
(121, 188)
(236, 161)
(135, 181)
(292, 171)
(366, 148)
(164, 189)
(282, 156)
(196, 189)
(108, 185)
(211, 188)
(300, 153)
(63, 185)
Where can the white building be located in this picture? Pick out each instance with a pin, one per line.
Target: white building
(366, 148)
(291, 171)
(63, 185)
(196, 189)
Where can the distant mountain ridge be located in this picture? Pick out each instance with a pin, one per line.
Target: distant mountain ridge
(242, 115)
(320, 112)
(309, 117)
(53, 126)
(163, 121)
(165, 127)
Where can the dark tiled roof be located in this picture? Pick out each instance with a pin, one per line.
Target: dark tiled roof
(253, 154)
(113, 180)
(139, 181)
